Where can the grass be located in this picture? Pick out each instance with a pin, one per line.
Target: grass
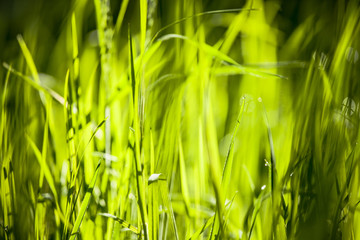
(181, 120)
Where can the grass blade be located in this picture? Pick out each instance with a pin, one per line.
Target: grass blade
(36, 85)
(159, 180)
(136, 126)
(197, 234)
(84, 204)
(47, 173)
(28, 58)
(122, 222)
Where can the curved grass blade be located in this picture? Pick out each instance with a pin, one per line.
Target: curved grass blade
(234, 68)
(92, 136)
(84, 204)
(211, 220)
(203, 46)
(241, 70)
(197, 234)
(162, 79)
(47, 173)
(36, 85)
(48, 176)
(257, 206)
(234, 10)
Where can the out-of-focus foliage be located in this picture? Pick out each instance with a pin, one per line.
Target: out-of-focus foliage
(154, 119)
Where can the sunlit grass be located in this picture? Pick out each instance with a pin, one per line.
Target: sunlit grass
(179, 121)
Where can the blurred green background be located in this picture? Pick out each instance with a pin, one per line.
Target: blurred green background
(248, 110)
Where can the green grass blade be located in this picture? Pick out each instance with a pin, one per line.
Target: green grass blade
(28, 58)
(3, 113)
(229, 70)
(202, 46)
(143, 23)
(153, 202)
(235, 10)
(36, 85)
(47, 173)
(120, 18)
(197, 234)
(84, 204)
(184, 184)
(122, 222)
(161, 181)
(230, 154)
(45, 138)
(136, 126)
(89, 141)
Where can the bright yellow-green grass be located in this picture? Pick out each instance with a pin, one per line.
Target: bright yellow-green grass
(181, 119)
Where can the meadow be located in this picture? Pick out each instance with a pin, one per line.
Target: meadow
(182, 119)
